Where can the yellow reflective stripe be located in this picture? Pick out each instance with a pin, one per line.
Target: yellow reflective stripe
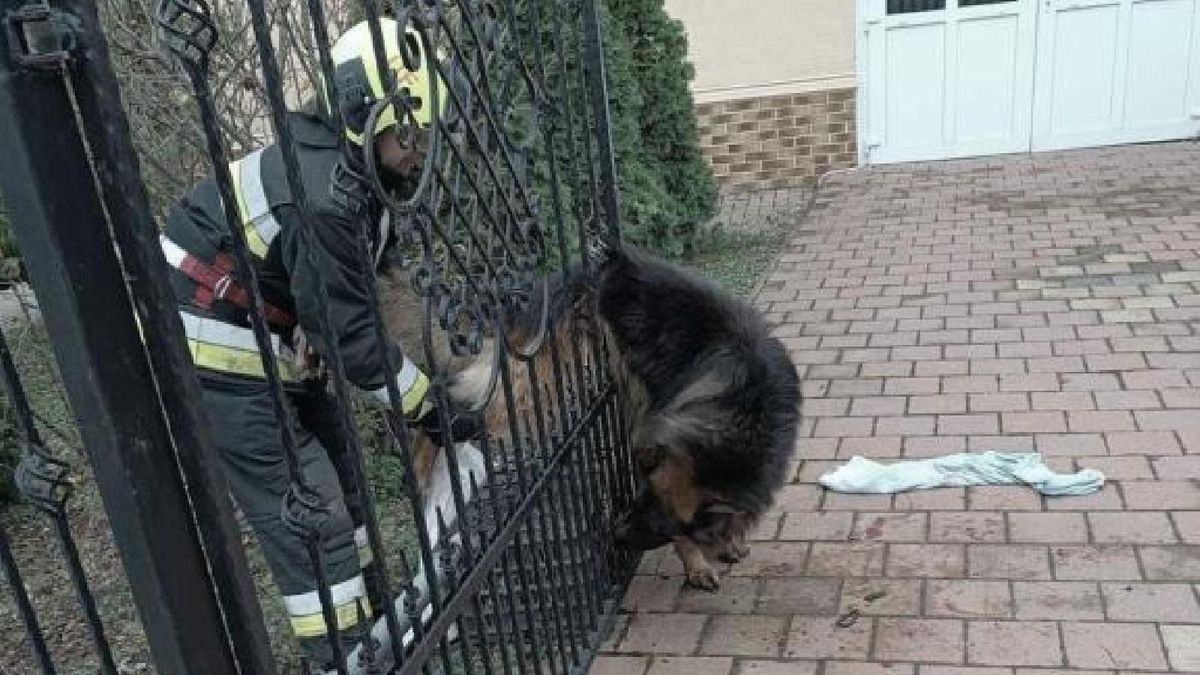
(313, 625)
(416, 394)
(254, 241)
(412, 385)
(237, 361)
(235, 171)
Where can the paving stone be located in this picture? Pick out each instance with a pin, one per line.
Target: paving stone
(1074, 445)
(1107, 498)
(882, 597)
(890, 526)
(663, 633)
(924, 640)
(1161, 494)
(968, 599)
(871, 446)
(1187, 523)
(1183, 646)
(607, 664)
(817, 526)
(967, 527)
(846, 560)
(854, 668)
(1047, 528)
(773, 559)
(935, 499)
(925, 560)
(774, 667)
(691, 665)
(1095, 562)
(1118, 468)
(651, 593)
(841, 501)
(1173, 468)
(987, 561)
(1131, 528)
(744, 635)
(1003, 498)
(1162, 603)
(798, 596)
(1113, 645)
(734, 596)
(995, 642)
(817, 637)
(1058, 600)
(963, 670)
(1171, 563)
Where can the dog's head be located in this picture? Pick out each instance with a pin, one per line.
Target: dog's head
(718, 527)
(672, 505)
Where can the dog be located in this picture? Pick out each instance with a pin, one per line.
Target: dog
(711, 398)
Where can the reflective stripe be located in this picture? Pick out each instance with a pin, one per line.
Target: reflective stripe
(304, 610)
(216, 332)
(412, 384)
(346, 615)
(172, 251)
(339, 594)
(216, 345)
(365, 556)
(259, 223)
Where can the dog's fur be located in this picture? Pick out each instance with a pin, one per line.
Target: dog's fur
(712, 398)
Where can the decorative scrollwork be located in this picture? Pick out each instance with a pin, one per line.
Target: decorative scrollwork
(42, 479)
(187, 30)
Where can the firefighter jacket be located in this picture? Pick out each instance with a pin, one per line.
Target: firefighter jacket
(197, 244)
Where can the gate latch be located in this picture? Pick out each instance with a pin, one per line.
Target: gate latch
(41, 38)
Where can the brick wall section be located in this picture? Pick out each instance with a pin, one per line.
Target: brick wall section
(778, 141)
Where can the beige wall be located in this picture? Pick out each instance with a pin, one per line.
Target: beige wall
(745, 48)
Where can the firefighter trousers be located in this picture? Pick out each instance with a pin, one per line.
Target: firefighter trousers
(247, 435)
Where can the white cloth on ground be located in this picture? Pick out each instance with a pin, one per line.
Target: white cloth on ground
(862, 475)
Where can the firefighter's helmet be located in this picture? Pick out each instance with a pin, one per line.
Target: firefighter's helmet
(360, 86)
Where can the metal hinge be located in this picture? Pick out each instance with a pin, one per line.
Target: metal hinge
(40, 37)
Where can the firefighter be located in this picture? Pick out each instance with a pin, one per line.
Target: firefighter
(213, 307)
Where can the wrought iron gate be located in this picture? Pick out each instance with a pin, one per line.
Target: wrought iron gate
(515, 571)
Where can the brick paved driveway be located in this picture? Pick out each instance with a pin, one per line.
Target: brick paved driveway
(1048, 302)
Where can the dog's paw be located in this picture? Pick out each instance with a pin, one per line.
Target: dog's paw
(705, 579)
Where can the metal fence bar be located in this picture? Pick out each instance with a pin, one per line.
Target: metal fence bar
(598, 86)
(48, 61)
(33, 628)
(135, 235)
(43, 480)
(520, 576)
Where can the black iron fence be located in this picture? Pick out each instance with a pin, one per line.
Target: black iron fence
(500, 560)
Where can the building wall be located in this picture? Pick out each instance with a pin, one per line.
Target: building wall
(774, 87)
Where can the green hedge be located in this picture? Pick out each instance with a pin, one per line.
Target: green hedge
(667, 187)
(667, 191)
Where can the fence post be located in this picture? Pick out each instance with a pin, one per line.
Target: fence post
(609, 199)
(81, 218)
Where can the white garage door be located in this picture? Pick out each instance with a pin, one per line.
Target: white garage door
(960, 78)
